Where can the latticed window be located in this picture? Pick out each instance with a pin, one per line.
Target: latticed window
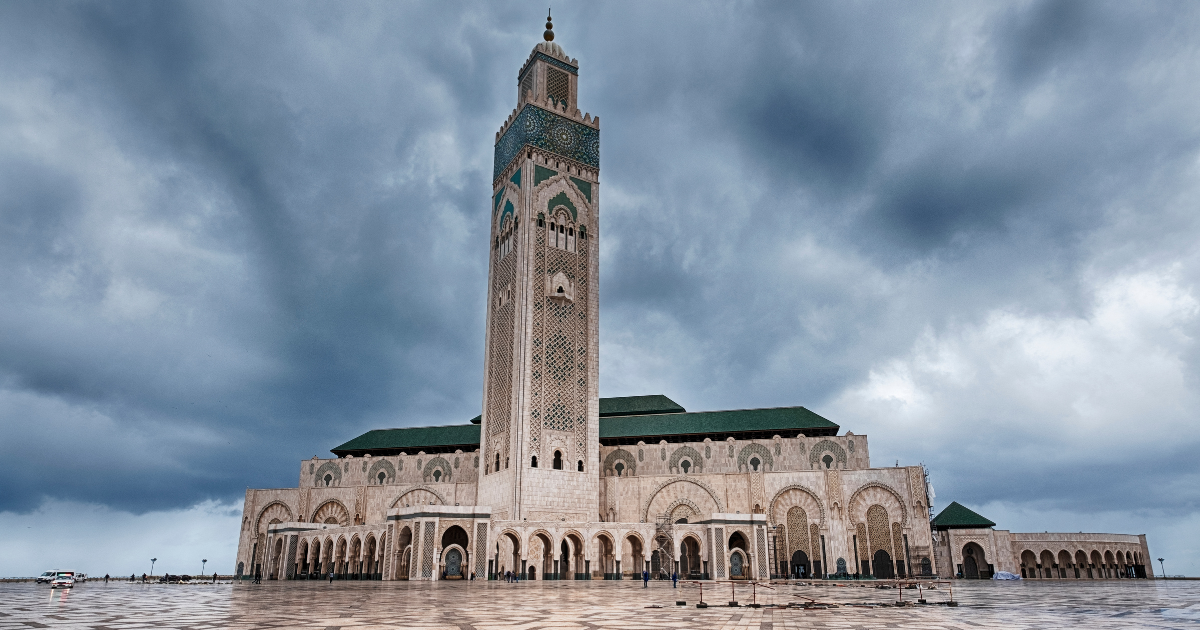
(557, 85)
(526, 83)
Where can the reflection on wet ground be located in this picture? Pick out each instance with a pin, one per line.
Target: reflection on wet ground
(599, 604)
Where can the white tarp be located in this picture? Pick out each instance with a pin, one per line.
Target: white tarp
(1005, 575)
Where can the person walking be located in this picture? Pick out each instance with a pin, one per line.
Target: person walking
(645, 579)
(331, 576)
(674, 580)
(106, 578)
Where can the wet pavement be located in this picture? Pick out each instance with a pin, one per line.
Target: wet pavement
(598, 604)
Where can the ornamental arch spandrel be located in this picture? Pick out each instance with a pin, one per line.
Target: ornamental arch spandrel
(796, 495)
(873, 493)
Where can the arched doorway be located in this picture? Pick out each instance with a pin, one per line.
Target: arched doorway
(276, 559)
(882, 563)
(354, 560)
(453, 537)
(800, 566)
(737, 542)
(607, 558)
(508, 554)
(302, 559)
(541, 556)
(574, 567)
(454, 564)
(632, 556)
(314, 552)
(689, 558)
(970, 569)
(974, 566)
(404, 553)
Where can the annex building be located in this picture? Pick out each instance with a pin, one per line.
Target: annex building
(553, 482)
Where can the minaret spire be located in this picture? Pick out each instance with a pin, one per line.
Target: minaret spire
(549, 34)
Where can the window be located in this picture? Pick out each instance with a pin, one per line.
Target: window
(328, 479)
(754, 463)
(437, 476)
(557, 460)
(497, 462)
(579, 467)
(533, 462)
(828, 459)
(526, 84)
(506, 240)
(557, 85)
(560, 233)
(620, 468)
(685, 465)
(382, 477)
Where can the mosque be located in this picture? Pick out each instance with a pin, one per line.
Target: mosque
(555, 483)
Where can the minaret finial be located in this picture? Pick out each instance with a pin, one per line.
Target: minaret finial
(549, 34)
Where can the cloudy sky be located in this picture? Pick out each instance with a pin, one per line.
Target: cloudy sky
(234, 235)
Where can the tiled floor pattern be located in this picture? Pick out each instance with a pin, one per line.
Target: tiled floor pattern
(589, 605)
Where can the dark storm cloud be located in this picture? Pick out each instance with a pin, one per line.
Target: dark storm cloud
(236, 235)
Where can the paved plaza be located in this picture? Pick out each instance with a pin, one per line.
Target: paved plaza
(624, 605)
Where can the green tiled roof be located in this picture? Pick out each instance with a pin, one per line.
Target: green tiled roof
(638, 406)
(621, 419)
(956, 516)
(464, 436)
(779, 419)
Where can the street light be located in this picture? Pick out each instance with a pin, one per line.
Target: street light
(1164, 571)
(202, 563)
(152, 561)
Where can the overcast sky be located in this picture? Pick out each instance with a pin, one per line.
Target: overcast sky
(235, 235)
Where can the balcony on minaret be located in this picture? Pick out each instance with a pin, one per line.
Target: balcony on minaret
(559, 288)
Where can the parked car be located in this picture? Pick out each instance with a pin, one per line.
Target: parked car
(46, 577)
(62, 581)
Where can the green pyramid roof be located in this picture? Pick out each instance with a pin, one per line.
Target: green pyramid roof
(955, 516)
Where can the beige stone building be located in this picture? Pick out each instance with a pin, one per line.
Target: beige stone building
(553, 482)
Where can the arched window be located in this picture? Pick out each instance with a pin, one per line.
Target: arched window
(328, 479)
(437, 476)
(533, 462)
(685, 465)
(557, 460)
(579, 467)
(382, 477)
(620, 468)
(754, 463)
(561, 232)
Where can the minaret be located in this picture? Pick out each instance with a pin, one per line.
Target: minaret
(540, 436)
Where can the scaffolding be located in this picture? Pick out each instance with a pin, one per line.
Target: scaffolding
(664, 535)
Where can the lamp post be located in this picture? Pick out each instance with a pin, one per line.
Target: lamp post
(152, 561)
(1164, 571)
(202, 563)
